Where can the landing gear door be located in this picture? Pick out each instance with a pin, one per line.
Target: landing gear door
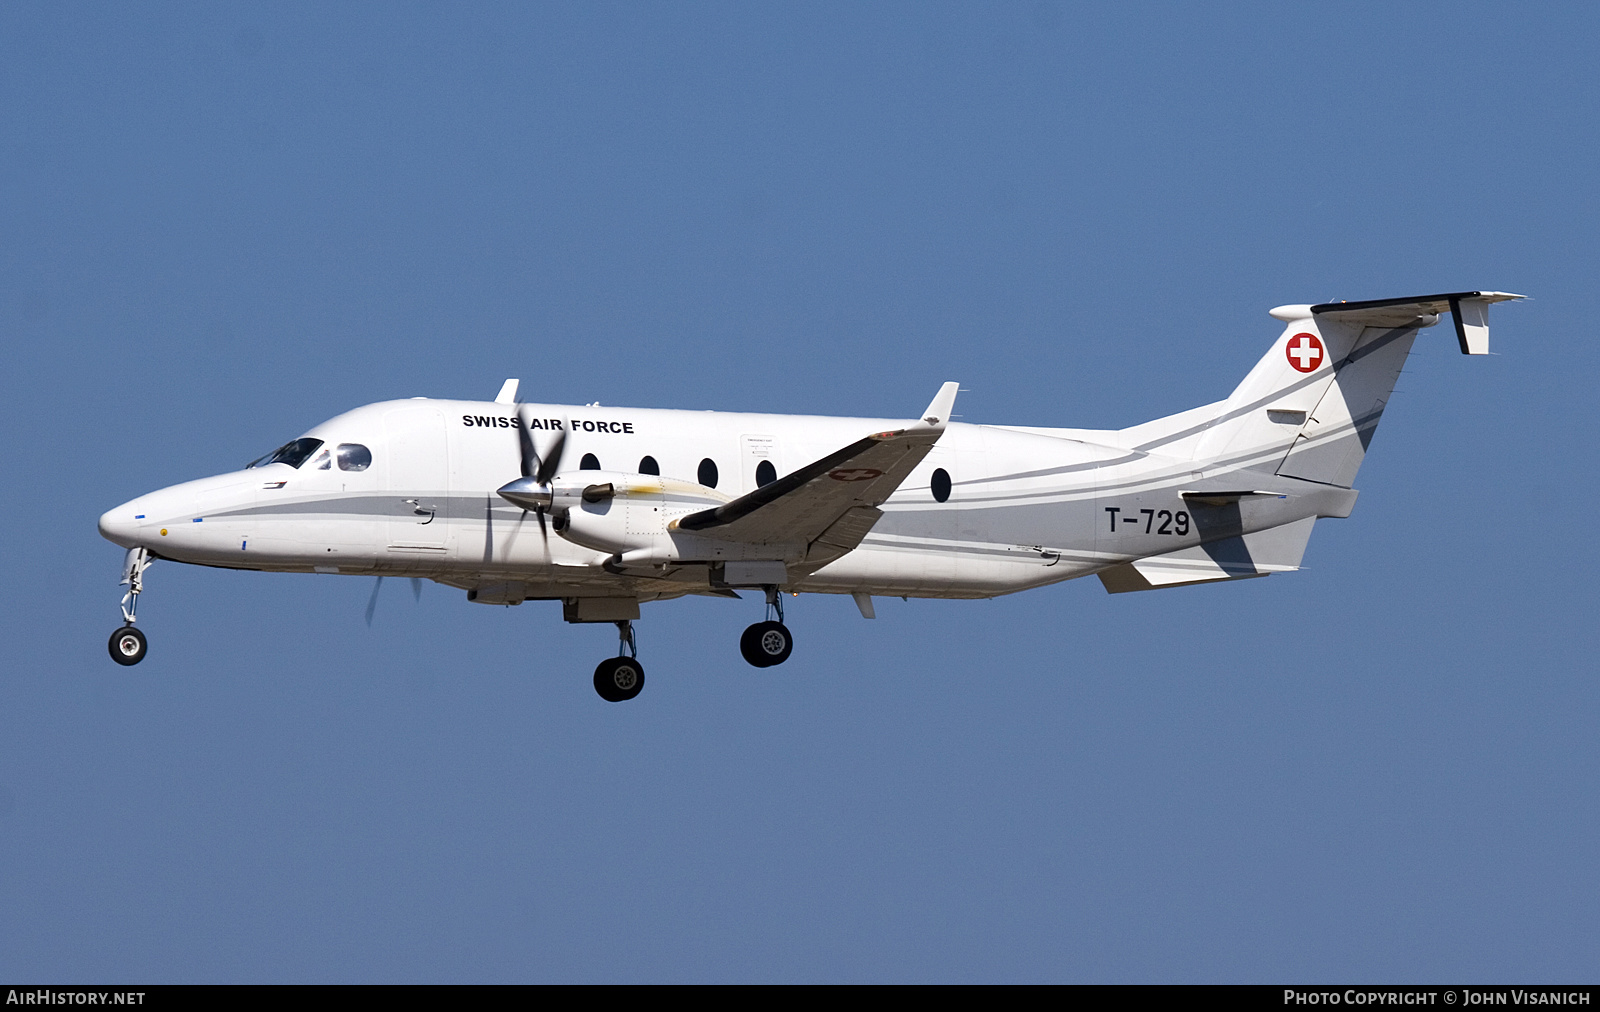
(418, 497)
(754, 452)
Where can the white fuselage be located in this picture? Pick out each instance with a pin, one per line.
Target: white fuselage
(1025, 507)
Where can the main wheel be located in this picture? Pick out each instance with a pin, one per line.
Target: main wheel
(766, 643)
(618, 679)
(127, 645)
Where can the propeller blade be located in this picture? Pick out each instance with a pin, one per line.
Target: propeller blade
(416, 588)
(530, 457)
(372, 602)
(552, 458)
(543, 533)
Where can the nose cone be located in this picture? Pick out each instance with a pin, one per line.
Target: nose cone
(121, 525)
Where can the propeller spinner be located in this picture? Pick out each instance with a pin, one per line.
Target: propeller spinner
(532, 490)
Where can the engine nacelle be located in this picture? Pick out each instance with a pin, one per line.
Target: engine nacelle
(619, 513)
(631, 516)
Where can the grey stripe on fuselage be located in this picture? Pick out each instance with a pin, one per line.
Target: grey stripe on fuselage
(383, 504)
(1090, 465)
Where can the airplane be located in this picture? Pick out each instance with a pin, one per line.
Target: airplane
(484, 496)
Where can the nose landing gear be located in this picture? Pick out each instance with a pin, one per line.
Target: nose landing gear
(620, 678)
(128, 645)
(767, 643)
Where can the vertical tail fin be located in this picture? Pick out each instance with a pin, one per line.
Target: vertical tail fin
(1262, 417)
(1310, 406)
(1333, 442)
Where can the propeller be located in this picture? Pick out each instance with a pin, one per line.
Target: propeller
(532, 490)
(530, 456)
(372, 602)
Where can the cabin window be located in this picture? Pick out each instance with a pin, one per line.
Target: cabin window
(649, 466)
(940, 484)
(766, 474)
(353, 457)
(292, 453)
(708, 473)
(589, 463)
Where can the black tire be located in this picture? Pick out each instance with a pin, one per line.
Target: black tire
(127, 645)
(766, 643)
(619, 679)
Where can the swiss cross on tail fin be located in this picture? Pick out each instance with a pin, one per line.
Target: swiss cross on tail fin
(1470, 310)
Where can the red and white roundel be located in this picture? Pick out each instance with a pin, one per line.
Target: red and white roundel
(1305, 352)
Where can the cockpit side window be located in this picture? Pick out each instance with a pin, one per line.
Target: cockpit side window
(353, 457)
(293, 453)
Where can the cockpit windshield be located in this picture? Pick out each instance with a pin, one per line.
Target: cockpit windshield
(292, 453)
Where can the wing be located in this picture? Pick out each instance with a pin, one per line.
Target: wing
(829, 504)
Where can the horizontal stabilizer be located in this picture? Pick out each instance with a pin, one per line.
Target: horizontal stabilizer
(1470, 310)
(1276, 550)
(1208, 498)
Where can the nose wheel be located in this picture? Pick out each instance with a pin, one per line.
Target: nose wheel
(618, 679)
(767, 643)
(128, 645)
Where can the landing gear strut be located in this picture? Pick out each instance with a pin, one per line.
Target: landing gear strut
(127, 644)
(767, 643)
(620, 678)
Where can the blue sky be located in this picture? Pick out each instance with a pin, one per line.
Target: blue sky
(223, 223)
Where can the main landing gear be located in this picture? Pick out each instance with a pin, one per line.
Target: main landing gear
(620, 678)
(767, 643)
(127, 644)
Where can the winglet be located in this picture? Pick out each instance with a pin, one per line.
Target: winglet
(508, 392)
(938, 411)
